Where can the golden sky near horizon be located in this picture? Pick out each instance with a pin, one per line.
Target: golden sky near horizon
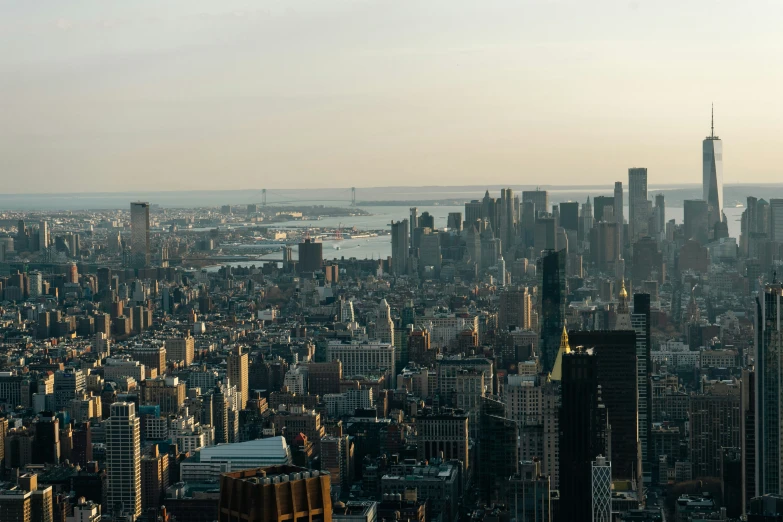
(104, 95)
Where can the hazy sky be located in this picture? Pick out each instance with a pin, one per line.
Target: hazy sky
(102, 95)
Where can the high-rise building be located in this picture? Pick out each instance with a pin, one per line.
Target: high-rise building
(605, 248)
(151, 356)
(553, 303)
(400, 247)
(714, 424)
(123, 461)
(167, 392)
(601, 482)
(540, 198)
(507, 230)
(426, 220)
(696, 220)
(68, 384)
(586, 220)
(640, 322)
(603, 208)
(275, 494)
(140, 234)
(748, 437)
(637, 203)
(474, 211)
(444, 434)
(3, 432)
(413, 224)
(154, 478)
(582, 433)
(237, 373)
(528, 493)
(769, 389)
(181, 349)
(712, 175)
(430, 253)
(514, 310)
(776, 220)
(545, 234)
(619, 212)
(615, 363)
(659, 213)
(363, 358)
(336, 459)
(43, 236)
(497, 447)
(311, 256)
(384, 326)
(36, 284)
(16, 505)
(454, 221)
(46, 448)
(569, 215)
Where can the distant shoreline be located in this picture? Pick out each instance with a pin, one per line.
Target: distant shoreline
(364, 196)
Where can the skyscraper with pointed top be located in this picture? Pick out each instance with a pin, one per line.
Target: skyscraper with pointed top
(712, 174)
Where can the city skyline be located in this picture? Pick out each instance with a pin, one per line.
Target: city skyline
(366, 261)
(174, 95)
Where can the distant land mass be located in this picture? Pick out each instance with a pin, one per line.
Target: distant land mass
(365, 196)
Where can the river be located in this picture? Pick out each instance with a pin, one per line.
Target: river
(380, 246)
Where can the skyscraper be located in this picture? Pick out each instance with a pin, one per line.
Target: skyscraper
(311, 256)
(748, 437)
(553, 301)
(238, 375)
(712, 174)
(540, 199)
(637, 203)
(569, 215)
(640, 320)
(514, 309)
(615, 358)
(769, 389)
(140, 234)
(123, 460)
(696, 220)
(384, 326)
(660, 214)
(474, 211)
(43, 235)
(601, 479)
(497, 447)
(582, 433)
(414, 223)
(776, 220)
(400, 247)
(619, 212)
(507, 230)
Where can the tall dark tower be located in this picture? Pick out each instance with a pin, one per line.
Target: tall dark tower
(769, 389)
(311, 256)
(615, 354)
(640, 320)
(582, 433)
(553, 298)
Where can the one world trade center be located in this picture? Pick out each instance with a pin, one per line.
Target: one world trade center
(712, 175)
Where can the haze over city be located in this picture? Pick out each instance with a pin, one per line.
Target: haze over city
(111, 96)
(391, 261)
